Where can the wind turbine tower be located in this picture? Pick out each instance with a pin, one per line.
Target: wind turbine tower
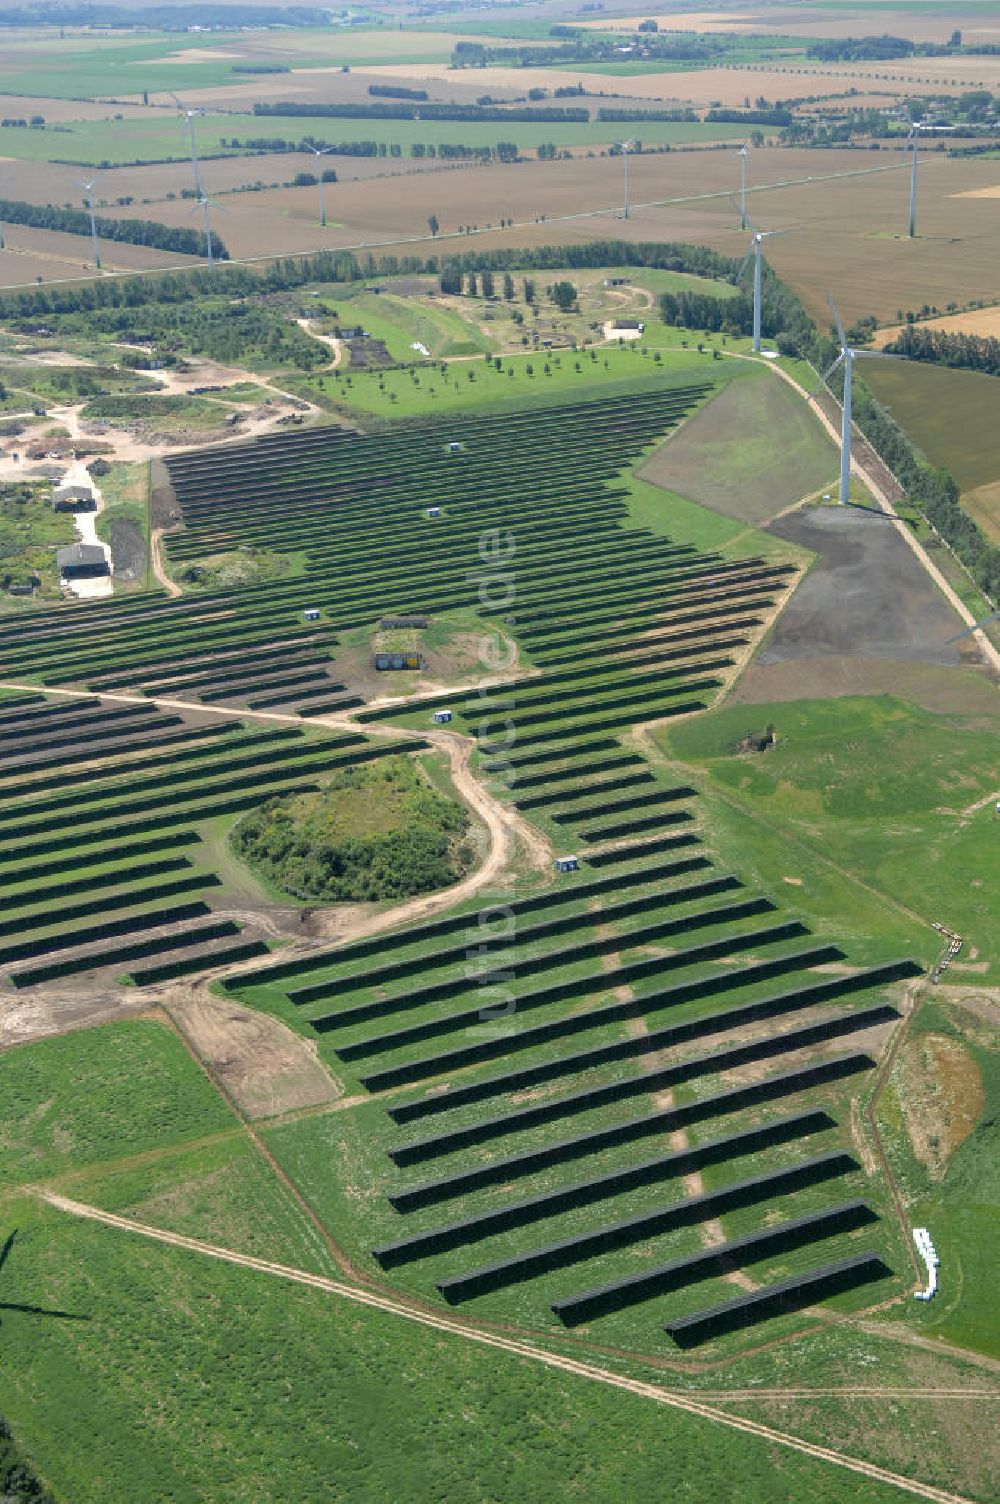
(914, 139)
(744, 167)
(848, 355)
(88, 189)
(320, 151)
(625, 148)
(757, 239)
(205, 204)
(190, 115)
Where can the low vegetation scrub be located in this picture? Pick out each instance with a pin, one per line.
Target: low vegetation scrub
(30, 532)
(372, 832)
(246, 566)
(17, 1482)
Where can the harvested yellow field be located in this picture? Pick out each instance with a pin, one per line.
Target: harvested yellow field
(920, 24)
(982, 321)
(983, 506)
(730, 87)
(60, 111)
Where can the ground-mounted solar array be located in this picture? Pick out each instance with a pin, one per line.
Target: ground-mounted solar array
(103, 810)
(604, 1096)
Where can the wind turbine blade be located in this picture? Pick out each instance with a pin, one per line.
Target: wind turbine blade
(747, 221)
(836, 319)
(976, 627)
(744, 264)
(830, 369)
(785, 230)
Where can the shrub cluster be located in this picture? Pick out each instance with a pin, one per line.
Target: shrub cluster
(316, 847)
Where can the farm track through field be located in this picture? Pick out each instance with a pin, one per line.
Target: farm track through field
(156, 561)
(398, 1307)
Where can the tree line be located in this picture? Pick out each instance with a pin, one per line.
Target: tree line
(396, 91)
(774, 116)
(503, 151)
(935, 491)
(970, 352)
(609, 114)
(289, 272)
(390, 110)
(149, 232)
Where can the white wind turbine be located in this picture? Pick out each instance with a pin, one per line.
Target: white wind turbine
(744, 155)
(88, 189)
(848, 355)
(205, 204)
(757, 239)
(190, 116)
(914, 139)
(319, 151)
(625, 147)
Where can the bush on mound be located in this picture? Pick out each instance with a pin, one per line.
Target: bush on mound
(377, 831)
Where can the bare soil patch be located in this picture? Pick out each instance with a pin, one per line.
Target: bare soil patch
(941, 1092)
(866, 597)
(52, 254)
(942, 690)
(264, 1067)
(60, 1007)
(128, 550)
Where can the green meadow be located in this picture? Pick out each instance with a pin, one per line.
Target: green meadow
(540, 378)
(896, 798)
(177, 1377)
(950, 414)
(109, 143)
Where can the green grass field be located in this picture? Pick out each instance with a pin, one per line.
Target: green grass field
(404, 323)
(895, 797)
(109, 143)
(120, 65)
(542, 378)
(750, 453)
(82, 1098)
(190, 1379)
(950, 415)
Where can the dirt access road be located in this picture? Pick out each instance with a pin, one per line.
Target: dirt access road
(511, 1345)
(506, 827)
